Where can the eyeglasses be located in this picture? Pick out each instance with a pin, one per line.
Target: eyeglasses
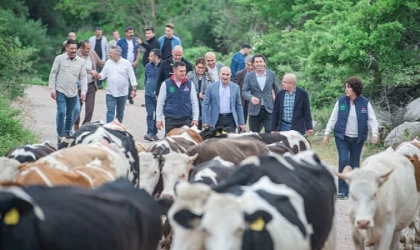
(288, 82)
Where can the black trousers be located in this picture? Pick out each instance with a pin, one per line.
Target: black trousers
(171, 123)
(263, 119)
(227, 122)
(245, 108)
(90, 103)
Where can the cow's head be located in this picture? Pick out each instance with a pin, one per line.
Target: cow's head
(8, 169)
(185, 215)
(211, 132)
(241, 226)
(149, 171)
(175, 167)
(364, 185)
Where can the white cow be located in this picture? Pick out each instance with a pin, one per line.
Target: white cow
(149, 172)
(384, 199)
(411, 150)
(8, 169)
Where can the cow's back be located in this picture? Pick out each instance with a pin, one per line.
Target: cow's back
(106, 218)
(232, 150)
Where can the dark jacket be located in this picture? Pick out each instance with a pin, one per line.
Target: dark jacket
(151, 44)
(178, 99)
(165, 71)
(302, 118)
(240, 79)
(361, 104)
(151, 71)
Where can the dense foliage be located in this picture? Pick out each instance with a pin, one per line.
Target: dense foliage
(322, 41)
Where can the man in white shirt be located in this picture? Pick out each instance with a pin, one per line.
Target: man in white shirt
(117, 71)
(130, 51)
(213, 66)
(113, 42)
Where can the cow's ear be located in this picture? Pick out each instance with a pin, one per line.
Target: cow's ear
(192, 159)
(258, 220)
(384, 177)
(345, 175)
(187, 219)
(14, 202)
(164, 205)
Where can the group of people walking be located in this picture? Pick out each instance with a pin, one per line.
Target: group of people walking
(206, 94)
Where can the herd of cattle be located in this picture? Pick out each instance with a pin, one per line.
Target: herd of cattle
(197, 190)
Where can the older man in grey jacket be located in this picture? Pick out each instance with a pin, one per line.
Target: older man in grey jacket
(258, 90)
(213, 66)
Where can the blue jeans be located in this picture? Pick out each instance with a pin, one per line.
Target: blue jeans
(65, 110)
(151, 115)
(285, 126)
(349, 152)
(113, 103)
(77, 110)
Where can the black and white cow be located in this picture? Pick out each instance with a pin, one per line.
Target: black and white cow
(303, 173)
(113, 216)
(212, 172)
(30, 152)
(290, 139)
(115, 133)
(266, 198)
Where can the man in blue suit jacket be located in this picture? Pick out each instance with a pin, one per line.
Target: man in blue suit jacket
(222, 104)
(292, 110)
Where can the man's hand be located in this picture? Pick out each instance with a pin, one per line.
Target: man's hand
(139, 41)
(205, 125)
(54, 95)
(133, 93)
(273, 132)
(255, 100)
(325, 139)
(374, 139)
(309, 132)
(159, 125)
(83, 97)
(194, 122)
(135, 65)
(94, 73)
(242, 127)
(201, 95)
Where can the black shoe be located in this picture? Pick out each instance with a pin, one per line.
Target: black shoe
(131, 101)
(155, 137)
(143, 105)
(342, 196)
(148, 138)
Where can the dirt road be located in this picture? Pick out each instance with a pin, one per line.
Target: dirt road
(39, 115)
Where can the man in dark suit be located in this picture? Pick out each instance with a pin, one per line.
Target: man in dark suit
(258, 90)
(240, 78)
(166, 69)
(292, 109)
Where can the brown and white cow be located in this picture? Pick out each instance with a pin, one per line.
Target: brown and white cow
(292, 139)
(8, 168)
(228, 149)
(192, 132)
(83, 165)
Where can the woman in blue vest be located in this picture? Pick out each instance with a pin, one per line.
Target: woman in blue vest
(350, 119)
